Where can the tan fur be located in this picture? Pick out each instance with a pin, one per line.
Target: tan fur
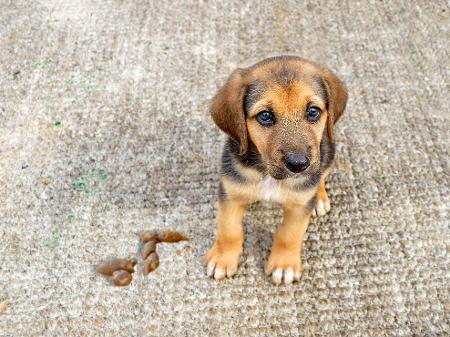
(322, 193)
(286, 246)
(289, 102)
(227, 248)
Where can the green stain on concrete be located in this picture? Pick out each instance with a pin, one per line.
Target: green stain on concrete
(79, 186)
(90, 180)
(54, 241)
(43, 64)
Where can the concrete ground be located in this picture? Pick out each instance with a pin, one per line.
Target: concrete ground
(104, 131)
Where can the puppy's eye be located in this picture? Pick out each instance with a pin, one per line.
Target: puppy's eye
(313, 114)
(265, 118)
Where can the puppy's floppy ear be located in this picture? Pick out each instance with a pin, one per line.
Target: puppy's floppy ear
(227, 108)
(337, 99)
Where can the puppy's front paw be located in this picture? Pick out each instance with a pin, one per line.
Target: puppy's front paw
(222, 261)
(284, 266)
(322, 204)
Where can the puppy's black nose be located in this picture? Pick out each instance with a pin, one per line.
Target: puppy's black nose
(296, 162)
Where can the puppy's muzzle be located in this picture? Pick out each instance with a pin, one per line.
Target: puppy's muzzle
(296, 162)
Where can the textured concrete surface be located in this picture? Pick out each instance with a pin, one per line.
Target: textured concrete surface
(104, 131)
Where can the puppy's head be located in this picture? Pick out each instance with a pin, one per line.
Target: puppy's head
(284, 106)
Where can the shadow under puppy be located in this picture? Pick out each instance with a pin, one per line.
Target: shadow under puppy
(279, 115)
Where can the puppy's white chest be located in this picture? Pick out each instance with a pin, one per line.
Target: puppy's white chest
(270, 189)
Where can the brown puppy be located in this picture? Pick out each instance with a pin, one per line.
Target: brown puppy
(279, 114)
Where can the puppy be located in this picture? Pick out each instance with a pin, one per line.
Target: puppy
(279, 115)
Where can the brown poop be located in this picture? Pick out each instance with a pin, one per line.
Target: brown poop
(151, 263)
(120, 270)
(166, 236)
(121, 278)
(109, 267)
(148, 248)
(151, 238)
